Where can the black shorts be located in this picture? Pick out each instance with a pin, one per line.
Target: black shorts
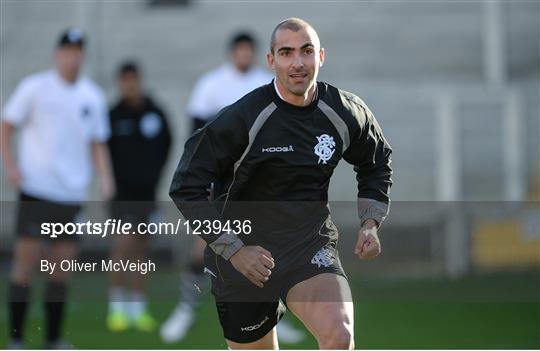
(33, 212)
(247, 313)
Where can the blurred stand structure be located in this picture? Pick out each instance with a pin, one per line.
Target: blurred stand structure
(455, 86)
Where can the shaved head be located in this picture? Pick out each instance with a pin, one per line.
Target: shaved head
(295, 56)
(294, 24)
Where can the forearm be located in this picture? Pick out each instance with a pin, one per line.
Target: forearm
(374, 183)
(102, 165)
(198, 208)
(190, 192)
(6, 150)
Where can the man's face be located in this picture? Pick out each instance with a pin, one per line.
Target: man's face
(69, 58)
(129, 84)
(242, 56)
(296, 59)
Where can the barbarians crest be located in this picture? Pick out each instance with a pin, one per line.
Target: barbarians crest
(325, 148)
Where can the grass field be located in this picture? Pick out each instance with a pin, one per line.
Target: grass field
(480, 311)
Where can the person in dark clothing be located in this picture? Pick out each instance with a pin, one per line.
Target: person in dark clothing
(239, 75)
(269, 157)
(139, 136)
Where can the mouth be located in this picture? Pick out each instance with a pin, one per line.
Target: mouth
(298, 77)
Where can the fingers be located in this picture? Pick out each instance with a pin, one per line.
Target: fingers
(265, 272)
(368, 245)
(260, 271)
(267, 262)
(256, 278)
(370, 249)
(255, 263)
(360, 242)
(264, 252)
(367, 251)
(258, 274)
(254, 281)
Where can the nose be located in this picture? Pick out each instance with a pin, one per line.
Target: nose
(298, 61)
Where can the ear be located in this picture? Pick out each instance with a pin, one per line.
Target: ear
(270, 61)
(321, 57)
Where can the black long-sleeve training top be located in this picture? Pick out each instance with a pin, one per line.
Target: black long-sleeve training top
(279, 158)
(138, 136)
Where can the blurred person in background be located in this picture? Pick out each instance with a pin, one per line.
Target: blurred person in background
(227, 83)
(213, 91)
(140, 135)
(62, 119)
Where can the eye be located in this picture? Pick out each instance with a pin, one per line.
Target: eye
(285, 53)
(308, 51)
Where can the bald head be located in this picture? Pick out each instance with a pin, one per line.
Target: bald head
(295, 56)
(294, 24)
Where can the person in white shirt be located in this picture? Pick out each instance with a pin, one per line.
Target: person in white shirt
(213, 91)
(227, 83)
(61, 117)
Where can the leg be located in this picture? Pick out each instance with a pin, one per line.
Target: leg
(182, 317)
(138, 301)
(193, 275)
(117, 317)
(139, 246)
(59, 251)
(26, 258)
(120, 251)
(324, 304)
(56, 290)
(267, 342)
(250, 325)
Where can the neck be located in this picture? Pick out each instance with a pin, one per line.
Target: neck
(69, 77)
(242, 69)
(297, 100)
(133, 101)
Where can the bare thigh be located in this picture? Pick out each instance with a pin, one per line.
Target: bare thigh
(59, 251)
(26, 258)
(324, 304)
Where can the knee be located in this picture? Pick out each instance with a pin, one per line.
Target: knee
(59, 276)
(22, 275)
(338, 337)
(121, 250)
(22, 272)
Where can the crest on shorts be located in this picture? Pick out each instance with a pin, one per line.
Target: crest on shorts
(325, 148)
(323, 257)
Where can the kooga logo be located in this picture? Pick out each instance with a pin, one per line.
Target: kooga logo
(254, 327)
(278, 149)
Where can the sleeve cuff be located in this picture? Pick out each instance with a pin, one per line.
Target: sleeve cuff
(226, 245)
(372, 209)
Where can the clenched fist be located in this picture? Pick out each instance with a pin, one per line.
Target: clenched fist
(368, 245)
(255, 263)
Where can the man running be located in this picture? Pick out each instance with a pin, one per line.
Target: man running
(216, 89)
(270, 157)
